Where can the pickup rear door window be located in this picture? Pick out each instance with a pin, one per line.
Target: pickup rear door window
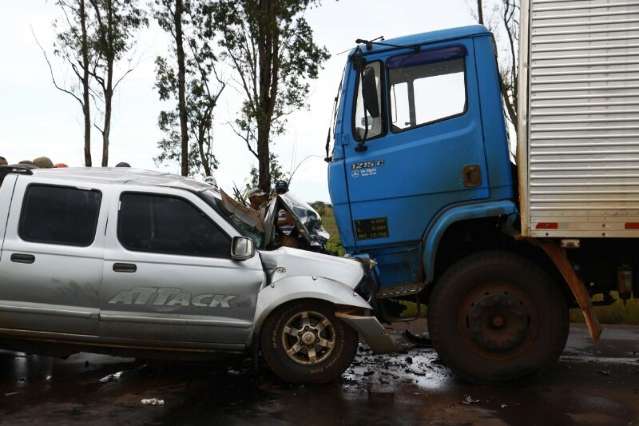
(59, 215)
(169, 225)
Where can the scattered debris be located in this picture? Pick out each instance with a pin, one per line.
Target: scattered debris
(503, 406)
(604, 372)
(11, 393)
(153, 401)
(409, 360)
(468, 400)
(111, 377)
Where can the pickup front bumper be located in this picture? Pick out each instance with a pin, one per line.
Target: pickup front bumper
(372, 331)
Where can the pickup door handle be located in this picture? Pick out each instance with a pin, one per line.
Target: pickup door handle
(125, 267)
(23, 258)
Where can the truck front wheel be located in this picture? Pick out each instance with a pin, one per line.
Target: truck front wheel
(303, 342)
(496, 316)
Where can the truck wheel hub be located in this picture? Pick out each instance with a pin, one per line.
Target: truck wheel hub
(498, 322)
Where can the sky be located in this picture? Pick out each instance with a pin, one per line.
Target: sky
(36, 119)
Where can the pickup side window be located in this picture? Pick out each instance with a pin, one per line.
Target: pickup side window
(59, 215)
(169, 225)
(426, 93)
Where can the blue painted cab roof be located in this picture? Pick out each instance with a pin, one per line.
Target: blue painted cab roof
(433, 37)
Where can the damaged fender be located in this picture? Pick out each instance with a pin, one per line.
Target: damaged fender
(304, 287)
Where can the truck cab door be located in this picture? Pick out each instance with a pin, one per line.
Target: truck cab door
(423, 151)
(169, 280)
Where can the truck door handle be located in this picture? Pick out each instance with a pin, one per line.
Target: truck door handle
(23, 258)
(128, 268)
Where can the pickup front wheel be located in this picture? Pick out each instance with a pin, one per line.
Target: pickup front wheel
(303, 342)
(496, 316)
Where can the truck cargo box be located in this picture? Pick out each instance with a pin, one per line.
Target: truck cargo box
(578, 150)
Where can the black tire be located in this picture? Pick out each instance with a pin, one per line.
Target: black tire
(496, 316)
(273, 341)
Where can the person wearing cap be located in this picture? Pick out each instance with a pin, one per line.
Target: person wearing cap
(43, 163)
(3, 161)
(123, 164)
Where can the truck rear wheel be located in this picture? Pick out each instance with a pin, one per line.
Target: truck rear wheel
(496, 316)
(303, 342)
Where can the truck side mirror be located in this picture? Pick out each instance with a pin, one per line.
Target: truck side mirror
(369, 92)
(242, 248)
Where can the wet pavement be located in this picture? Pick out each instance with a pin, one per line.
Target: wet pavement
(590, 386)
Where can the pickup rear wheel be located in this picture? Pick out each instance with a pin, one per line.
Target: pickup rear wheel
(303, 342)
(496, 316)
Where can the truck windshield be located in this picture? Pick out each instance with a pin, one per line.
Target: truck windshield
(243, 219)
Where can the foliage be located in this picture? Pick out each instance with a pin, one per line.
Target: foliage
(270, 47)
(504, 23)
(276, 171)
(73, 44)
(116, 24)
(201, 92)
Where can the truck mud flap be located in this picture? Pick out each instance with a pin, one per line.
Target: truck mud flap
(558, 256)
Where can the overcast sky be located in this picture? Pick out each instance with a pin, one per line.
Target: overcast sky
(36, 119)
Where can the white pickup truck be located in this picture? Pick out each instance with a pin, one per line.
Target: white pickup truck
(135, 262)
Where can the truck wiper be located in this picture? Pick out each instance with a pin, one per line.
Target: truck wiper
(380, 42)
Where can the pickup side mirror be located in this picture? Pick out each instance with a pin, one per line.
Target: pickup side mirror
(242, 248)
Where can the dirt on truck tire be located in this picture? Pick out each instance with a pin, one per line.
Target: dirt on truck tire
(496, 316)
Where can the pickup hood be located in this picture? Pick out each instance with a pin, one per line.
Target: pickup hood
(305, 263)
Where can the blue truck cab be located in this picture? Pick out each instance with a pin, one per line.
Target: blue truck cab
(435, 150)
(421, 181)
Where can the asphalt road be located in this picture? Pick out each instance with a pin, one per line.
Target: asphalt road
(590, 386)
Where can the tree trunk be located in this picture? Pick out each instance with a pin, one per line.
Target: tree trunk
(106, 131)
(263, 151)
(268, 69)
(86, 106)
(480, 12)
(184, 155)
(203, 155)
(108, 93)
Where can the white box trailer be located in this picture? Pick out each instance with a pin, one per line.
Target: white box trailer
(578, 150)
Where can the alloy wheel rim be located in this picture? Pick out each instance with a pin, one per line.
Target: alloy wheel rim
(308, 338)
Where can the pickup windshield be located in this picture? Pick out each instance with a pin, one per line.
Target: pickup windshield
(244, 220)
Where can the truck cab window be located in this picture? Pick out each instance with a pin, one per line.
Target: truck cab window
(427, 93)
(367, 114)
(59, 215)
(169, 225)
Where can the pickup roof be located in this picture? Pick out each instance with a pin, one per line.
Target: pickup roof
(128, 261)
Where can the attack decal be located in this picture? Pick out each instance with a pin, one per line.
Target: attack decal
(172, 297)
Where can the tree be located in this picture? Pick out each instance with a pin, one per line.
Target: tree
(270, 46)
(276, 172)
(506, 31)
(117, 21)
(73, 46)
(189, 125)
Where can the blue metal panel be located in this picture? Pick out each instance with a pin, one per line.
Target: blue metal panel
(458, 214)
(417, 185)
